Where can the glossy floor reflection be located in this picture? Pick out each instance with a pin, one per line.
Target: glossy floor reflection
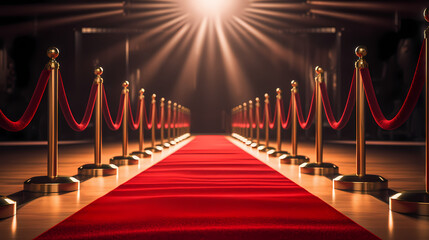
(403, 166)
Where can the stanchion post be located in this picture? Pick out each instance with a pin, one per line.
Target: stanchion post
(245, 118)
(169, 121)
(319, 167)
(267, 147)
(141, 153)
(125, 159)
(360, 181)
(52, 182)
(153, 148)
(98, 169)
(417, 202)
(257, 106)
(278, 152)
(175, 122)
(250, 139)
(294, 158)
(162, 120)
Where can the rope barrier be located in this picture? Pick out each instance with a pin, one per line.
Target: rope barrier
(348, 109)
(31, 109)
(410, 101)
(307, 123)
(271, 124)
(114, 126)
(285, 123)
(65, 107)
(148, 124)
(134, 123)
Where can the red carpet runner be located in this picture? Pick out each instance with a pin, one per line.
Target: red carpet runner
(209, 189)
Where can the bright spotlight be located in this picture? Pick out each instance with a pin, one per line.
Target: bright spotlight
(214, 8)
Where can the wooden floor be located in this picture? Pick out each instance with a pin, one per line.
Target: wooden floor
(403, 166)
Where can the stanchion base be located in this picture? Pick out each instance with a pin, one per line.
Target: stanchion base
(154, 149)
(272, 153)
(125, 160)
(266, 149)
(7, 207)
(142, 154)
(248, 143)
(44, 184)
(94, 170)
(410, 202)
(172, 143)
(365, 183)
(166, 145)
(322, 169)
(254, 145)
(294, 160)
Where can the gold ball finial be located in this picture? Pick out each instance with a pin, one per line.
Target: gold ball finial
(244, 104)
(98, 71)
(361, 51)
(153, 96)
(53, 52)
(250, 102)
(162, 99)
(169, 102)
(175, 104)
(266, 96)
(294, 84)
(141, 91)
(426, 14)
(278, 91)
(319, 70)
(125, 84)
(257, 99)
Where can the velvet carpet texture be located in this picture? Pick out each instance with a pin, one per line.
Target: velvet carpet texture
(209, 189)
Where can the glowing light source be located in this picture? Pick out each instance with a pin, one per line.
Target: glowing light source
(214, 8)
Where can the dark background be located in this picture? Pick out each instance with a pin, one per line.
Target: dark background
(312, 35)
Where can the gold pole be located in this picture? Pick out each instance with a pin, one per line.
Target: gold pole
(319, 167)
(174, 121)
(162, 120)
(319, 130)
(98, 169)
(52, 182)
(251, 120)
(169, 121)
(360, 181)
(240, 107)
(293, 158)
(294, 141)
(125, 119)
(267, 121)
(279, 119)
(53, 66)
(245, 120)
(153, 119)
(98, 118)
(141, 126)
(417, 202)
(360, 113)
(257, 106)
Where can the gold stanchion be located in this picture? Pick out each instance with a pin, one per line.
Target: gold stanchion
(172, 142)
(52, 182)
(245, 122)
(163, 144)
(278, 152)
(294, 158)
(360, 181)
(175, 122)
(141, 153)
(250, 141)
(257, 105)
(179, 120)
(98, 169)
(319, 167)
(153, 148)
(266, 147)
(417, 202)
(7, 207)
(125, 159)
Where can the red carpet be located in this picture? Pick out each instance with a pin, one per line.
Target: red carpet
(209, 189)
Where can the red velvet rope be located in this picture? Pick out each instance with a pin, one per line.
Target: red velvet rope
(31, 109)
(348, 109)
(148, 124)
(261, 121)
(285, 123)
(307, 123)
(65, 107)
(134, 123)
(410, 102)
(271, 124)
(106, 112)
(161, 116)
